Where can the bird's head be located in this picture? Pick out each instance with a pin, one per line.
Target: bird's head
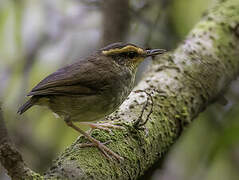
(128, 54)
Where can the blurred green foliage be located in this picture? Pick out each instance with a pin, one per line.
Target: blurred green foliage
(185, 13)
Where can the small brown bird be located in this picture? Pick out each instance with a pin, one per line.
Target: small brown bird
(92, 88)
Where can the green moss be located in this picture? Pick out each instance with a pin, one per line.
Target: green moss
(201, 64)
(33, 176)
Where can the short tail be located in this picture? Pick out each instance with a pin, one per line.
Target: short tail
(27, 105)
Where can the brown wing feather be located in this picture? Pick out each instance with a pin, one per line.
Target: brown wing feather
(63, 90)
(78, 78)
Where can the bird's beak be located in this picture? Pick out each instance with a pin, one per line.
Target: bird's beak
(154, 52)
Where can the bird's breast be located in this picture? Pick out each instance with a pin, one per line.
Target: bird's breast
(121, 89)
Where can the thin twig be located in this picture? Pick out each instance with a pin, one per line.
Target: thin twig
(137, 124)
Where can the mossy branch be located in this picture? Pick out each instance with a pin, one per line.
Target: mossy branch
(10, 158)
(181, 83)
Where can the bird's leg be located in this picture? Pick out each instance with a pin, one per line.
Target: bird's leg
(103, 126)
(106, 151)
(138, 123)
(82, 145)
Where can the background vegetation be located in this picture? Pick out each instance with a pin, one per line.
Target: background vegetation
(37, 37)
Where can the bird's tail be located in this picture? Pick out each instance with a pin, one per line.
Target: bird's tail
(27, 105)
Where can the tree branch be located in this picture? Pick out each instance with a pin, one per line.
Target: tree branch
(182, 84)
(10, 158)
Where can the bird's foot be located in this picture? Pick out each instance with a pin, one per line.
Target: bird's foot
(103, 126)
(105, 150)
(101, 146)
(82, 145)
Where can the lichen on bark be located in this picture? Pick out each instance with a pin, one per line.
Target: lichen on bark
(182, 84)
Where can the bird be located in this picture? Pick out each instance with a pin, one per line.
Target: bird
(91, 88)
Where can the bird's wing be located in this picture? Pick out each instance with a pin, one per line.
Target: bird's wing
(77, 79)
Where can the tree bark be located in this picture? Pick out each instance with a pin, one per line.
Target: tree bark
(115, 21)
(10, 158)
(181, 83)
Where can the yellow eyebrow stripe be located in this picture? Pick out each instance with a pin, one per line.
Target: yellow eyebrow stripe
(124, 49)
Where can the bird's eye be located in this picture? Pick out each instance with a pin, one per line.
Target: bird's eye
(131, 55)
